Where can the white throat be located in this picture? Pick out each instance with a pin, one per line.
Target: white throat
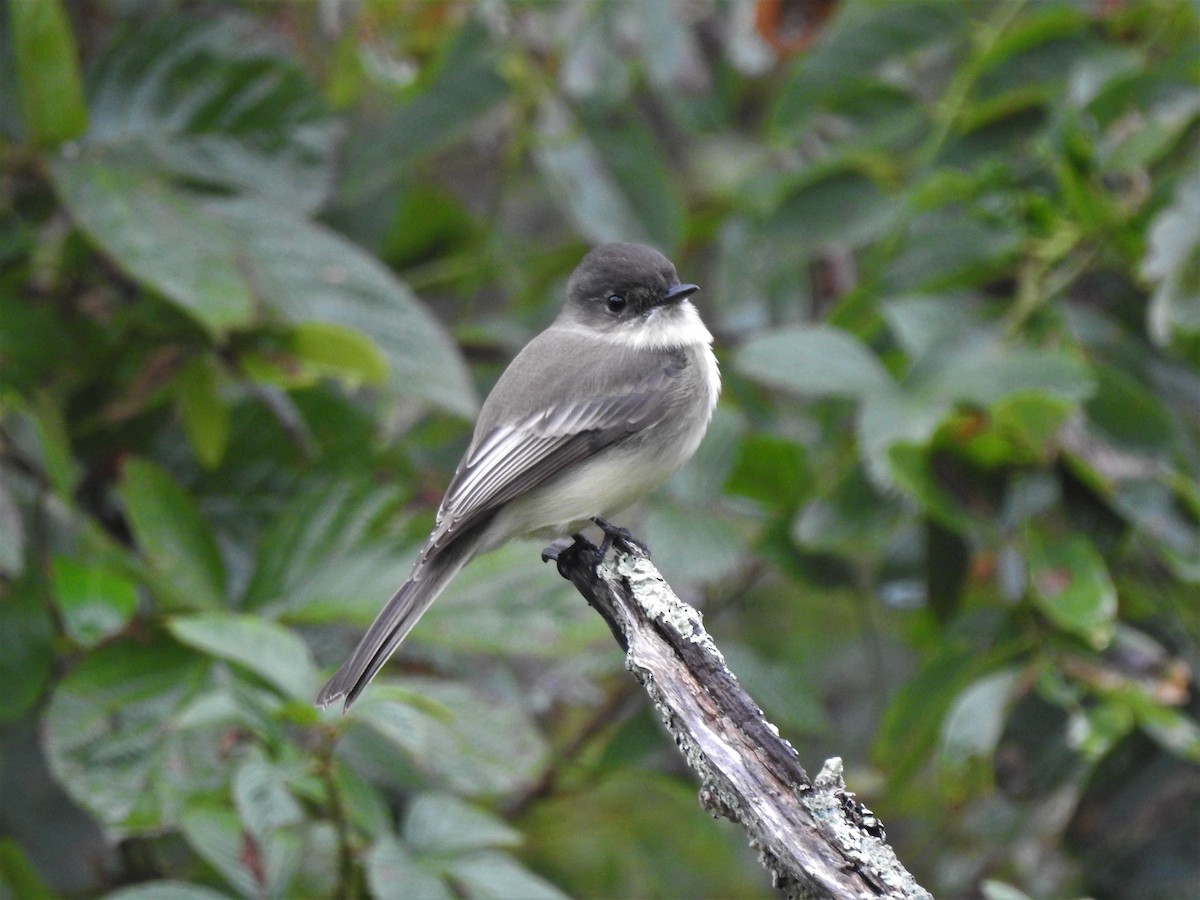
(665, 328)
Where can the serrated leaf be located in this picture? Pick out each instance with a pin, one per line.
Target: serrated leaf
(1071, 585)
(269, 650)
(814, 361)
(204, 412)
(109, 734)
(95, 601)
(51, 89)
(177, 543)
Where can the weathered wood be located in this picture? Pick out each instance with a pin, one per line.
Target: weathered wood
(813, 837)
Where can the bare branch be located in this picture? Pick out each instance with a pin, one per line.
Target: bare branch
(816, 840)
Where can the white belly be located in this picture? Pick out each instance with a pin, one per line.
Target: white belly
(603, 486)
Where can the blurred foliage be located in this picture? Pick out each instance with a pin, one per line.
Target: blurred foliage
(259, 260)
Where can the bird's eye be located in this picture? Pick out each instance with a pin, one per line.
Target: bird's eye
(615, 302)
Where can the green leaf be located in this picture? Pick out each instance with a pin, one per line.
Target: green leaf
(306, 273)
(975, 722)
(912, 473)
(109, 734)
(204, 412)
(253, 868)
(12, 532)
(983, 371)
(636, 833)
(54, 445)
(177, 543)
(1172, 264)
(694, 546)
(478, 743)
(914, 719)
(212, 101)
(262, 797)
(394, 874)
(160, 236)
(443, 823)
(838, 207)
(26, 647)
(1031, 421)
(94, 600)
(886, 421)
(1173, 730)
(1071, 585)
(322, 558)
(772, 471)
(814, 361)
(166, 890)
(234, 263)
(639, 170)
(580, 181)
(490, 875)
(18, 877)
(508, 603)
(51, 89)
(265, 648)
(457, 87)
(330, 349)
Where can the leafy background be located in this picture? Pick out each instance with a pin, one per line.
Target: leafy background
(258, 262)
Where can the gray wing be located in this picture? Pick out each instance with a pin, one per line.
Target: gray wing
(511, 459)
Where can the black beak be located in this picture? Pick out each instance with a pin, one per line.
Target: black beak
(677, 292)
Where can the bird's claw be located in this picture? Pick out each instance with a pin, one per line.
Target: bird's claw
(619, 537)
(563, 550)
(557, 549)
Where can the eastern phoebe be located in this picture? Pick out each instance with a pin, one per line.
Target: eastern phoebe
(597, 410)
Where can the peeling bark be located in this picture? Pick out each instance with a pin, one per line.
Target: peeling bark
(813, 836)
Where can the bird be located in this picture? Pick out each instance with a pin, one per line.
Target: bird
(593, 413)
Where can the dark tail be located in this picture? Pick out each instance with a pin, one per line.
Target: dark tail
(426, 581)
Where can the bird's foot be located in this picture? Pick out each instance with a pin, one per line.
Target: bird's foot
(564, 550)
(621, 538)
(558, 548)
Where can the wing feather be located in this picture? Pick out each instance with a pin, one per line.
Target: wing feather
(514, 458)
